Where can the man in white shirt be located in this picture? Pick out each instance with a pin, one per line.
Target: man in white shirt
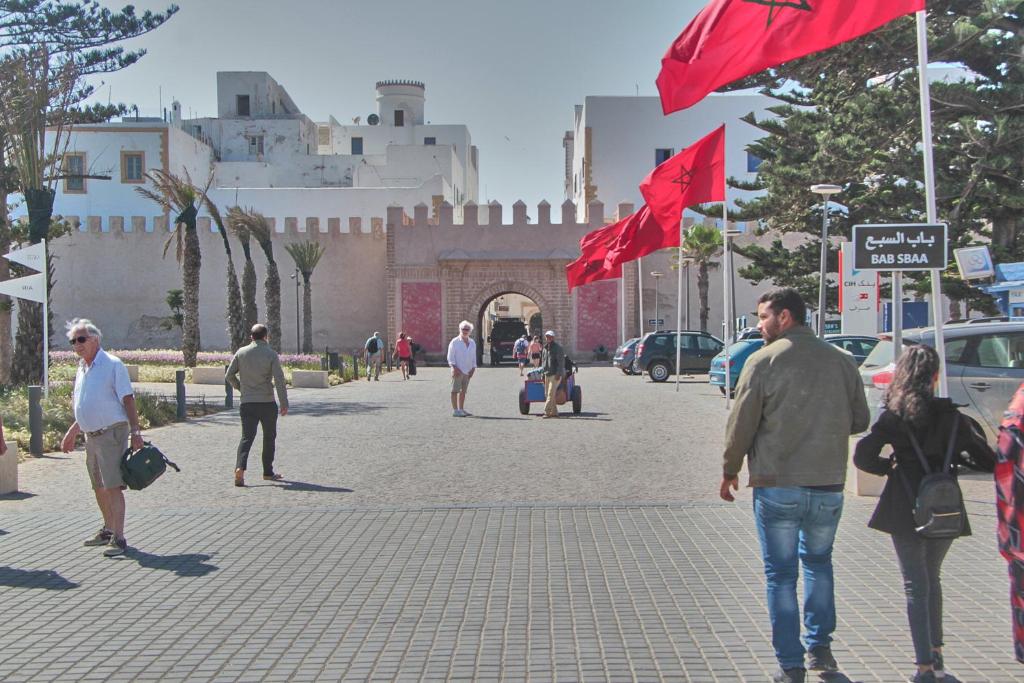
(462, 360)
(104, 408)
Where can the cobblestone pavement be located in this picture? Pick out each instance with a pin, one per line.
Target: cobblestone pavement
(406, 544)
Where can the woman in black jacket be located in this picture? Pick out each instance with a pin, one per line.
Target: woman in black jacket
(911, 407)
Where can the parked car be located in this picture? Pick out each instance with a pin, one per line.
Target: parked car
(656, 353)
(858, 346)
(984, 366)
(738, 354)
(504, 334)
(624, 356)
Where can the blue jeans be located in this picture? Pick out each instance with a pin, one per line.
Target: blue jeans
(795, 522)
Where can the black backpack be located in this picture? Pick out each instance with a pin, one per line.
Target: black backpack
(141, 468)
(372, 345)
(939, 503)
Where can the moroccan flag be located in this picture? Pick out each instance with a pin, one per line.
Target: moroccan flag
(641, 235)
(694, 176)
(731, 39)
(590, 266)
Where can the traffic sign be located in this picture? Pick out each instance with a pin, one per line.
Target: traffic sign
(652, 321)
(906, 246)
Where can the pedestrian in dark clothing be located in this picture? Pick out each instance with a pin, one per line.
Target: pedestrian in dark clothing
(553, 362)
(917, 425)
(255, 371)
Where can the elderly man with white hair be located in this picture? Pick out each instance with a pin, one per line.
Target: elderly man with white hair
(462, 360)
(104, 408)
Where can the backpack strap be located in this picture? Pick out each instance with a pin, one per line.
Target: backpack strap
(917, 447)
(951, 448)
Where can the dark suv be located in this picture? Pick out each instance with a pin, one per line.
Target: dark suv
(656, 353)
(503, 337)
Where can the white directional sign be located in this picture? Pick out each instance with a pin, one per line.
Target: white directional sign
(31, 287)
(34, 257)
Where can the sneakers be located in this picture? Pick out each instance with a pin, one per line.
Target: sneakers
(820, 659)
(102, 537)
(116, 546)
(276, 476)
(465, 414)
(795, 675)
(456, 413)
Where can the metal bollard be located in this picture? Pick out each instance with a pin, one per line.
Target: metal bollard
(35, 420)
(229, 392)
(179, 381)
(355, 366)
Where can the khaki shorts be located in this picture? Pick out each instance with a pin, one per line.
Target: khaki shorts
(460, 383)
(103, 456)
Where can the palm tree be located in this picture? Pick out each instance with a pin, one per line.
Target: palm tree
(237, 329)
(179, 195)
(306, 256)
(702, 243)
(256, 225)
(250, 313)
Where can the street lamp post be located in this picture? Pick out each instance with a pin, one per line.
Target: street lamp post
(825, 191)
(298, 344)
(657, 275)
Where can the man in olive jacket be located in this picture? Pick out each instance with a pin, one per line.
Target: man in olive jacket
(256, 373)
(798, 400)
(552, 359)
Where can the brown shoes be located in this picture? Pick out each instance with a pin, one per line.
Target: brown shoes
(239, 477)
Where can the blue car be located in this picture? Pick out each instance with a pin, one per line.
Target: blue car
(738, 354)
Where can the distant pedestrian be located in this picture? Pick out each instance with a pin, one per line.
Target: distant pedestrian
(520, 351)
(256, 373)
(403, 352)
(462, 360)
(373, 351)
(104, 408)
(534, 351)
(798, 400)
(415, 349)
(928, 435)
(553, 362)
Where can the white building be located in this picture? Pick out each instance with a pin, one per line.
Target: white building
(616, 141)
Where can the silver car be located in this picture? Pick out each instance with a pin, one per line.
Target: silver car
(984, 366)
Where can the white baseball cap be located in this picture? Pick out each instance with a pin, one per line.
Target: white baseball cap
(549, 333)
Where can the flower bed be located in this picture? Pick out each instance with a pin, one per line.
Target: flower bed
(302, 361)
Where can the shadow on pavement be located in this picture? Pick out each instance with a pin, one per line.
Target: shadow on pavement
(834, 677)
(19, 495)
(34, 578)
(495, 417)
(192, 564)
(318, 409)
(307, 486)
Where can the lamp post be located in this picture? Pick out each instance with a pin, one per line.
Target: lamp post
(825, 191)
(298, 344)
(657, 275)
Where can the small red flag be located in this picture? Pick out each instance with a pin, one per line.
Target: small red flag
(731, 39)
(590, 266)
(694, 176)
(641, 235)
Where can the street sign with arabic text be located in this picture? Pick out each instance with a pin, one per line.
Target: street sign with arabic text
(906, 246)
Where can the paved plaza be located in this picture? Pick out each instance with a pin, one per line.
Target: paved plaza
(405, 544)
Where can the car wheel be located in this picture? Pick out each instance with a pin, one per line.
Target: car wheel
(722, 389)
(659, 371)
(577, 400)
(625, 371)
(524, 405)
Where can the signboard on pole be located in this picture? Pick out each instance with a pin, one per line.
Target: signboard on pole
(33, 288)
(975, 263)
(858, 295)
(907, 246)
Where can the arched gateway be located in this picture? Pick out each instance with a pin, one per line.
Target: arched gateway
(440, 272)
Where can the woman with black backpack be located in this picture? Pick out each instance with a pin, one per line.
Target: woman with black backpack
(921, 506)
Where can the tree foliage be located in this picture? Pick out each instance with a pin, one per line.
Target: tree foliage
(306, 256)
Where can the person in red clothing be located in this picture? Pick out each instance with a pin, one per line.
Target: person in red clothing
(403, 352)
(1010, 509)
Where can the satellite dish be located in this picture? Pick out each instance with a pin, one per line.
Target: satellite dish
(373, 119)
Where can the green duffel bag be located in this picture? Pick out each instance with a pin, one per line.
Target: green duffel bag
(141, 468)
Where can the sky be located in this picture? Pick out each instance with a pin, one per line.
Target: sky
(510, 71)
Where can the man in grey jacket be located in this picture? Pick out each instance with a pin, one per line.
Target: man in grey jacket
(798, 400)
(256, 372)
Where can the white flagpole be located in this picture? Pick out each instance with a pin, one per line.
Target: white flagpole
(622, 307)
(929, 188)
(679, 304)
(640, 286)
(726, 289)
(46, 327)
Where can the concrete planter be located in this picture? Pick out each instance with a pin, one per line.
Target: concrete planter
(207, 375)
(133, 372)
(310, 379)
(9, 469)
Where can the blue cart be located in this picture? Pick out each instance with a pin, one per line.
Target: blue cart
(533, 392)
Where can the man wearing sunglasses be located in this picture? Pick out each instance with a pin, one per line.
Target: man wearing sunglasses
(104, 408)
(462, 360)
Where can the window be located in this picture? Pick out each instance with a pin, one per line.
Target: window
(255, 145)
(1001, 351)
(357, 145)
(74, 169)
(133, 165)
(708, 344)
(429, 141)
(242, 105)
(753, 162)
(663, 154)
(399, 117)
(323, 135)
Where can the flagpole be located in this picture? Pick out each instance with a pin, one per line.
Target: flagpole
(679, 304)
(726, 289)
(929, 187)
(622, 306)
(46, 327)
(640, 287)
